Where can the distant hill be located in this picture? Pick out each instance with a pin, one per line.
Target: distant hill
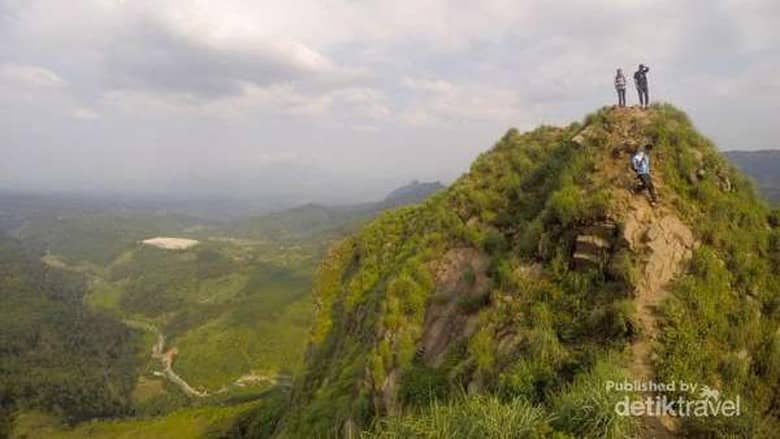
(763, 166)
(315, 219)
(412, 193)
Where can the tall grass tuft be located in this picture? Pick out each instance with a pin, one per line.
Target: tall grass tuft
(587, 409)
(472, 417)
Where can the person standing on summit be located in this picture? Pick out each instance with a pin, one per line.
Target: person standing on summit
(620, 86)
(640, 79)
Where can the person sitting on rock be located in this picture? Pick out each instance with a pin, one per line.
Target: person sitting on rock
(620, 86)
(640, 163)
(640, 79)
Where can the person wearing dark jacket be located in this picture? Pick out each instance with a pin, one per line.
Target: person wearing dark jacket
(620, 86)
(640, 79)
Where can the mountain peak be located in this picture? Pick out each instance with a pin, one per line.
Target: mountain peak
(542, 274)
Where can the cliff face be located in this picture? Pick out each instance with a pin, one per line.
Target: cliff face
(542, 274)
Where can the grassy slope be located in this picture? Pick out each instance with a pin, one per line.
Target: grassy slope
(224, 349)
(182, 424)
(520, 204)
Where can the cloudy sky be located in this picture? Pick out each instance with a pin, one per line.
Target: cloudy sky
(323, 97)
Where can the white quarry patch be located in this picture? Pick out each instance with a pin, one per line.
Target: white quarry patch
(170, 243)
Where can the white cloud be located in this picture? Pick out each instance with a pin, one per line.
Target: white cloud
(82, 113)
(403, 82)
(756, 21)
(218, 26)
(31, 76)
(440, 101)
(288, 100)
(436, 86)
(439, 23)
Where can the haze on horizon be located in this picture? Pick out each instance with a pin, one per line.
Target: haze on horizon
(341, 100)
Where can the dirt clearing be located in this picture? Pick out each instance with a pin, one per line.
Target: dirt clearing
(170, 243)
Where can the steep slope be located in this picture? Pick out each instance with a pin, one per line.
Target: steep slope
(538, 279)
(657, 233)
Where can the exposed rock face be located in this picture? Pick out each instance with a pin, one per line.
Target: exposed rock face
(461, 277)
(593, 246)
(585, 136)
(670, 242)
(664, 239)
(666, 243)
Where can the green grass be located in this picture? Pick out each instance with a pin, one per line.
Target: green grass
(104, 296)
(221, 289)
(470, 417)
(723, 313)
(586, 408)
(219, 352)
(191, 423)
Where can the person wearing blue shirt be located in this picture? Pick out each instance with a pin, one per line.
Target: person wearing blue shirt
(640, 163)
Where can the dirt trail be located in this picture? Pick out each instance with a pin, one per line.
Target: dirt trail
(661, 240)
(665, 244)
(166, 359)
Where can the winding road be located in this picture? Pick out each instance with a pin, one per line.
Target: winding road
(166, 361)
